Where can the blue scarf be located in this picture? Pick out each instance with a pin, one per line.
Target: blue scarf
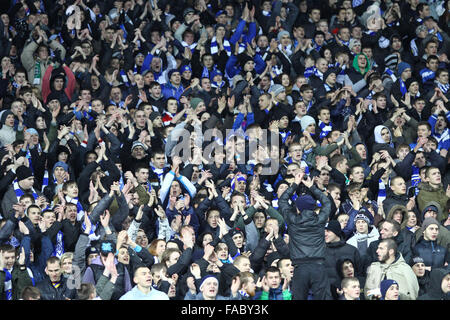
(215, 48)
(45, 180)
(326, 128)
(59, 247)
(8, 284)
(415, 177)
(444, 87)
(309, 72)
(19, 192)
(403, 89)
(381, 191)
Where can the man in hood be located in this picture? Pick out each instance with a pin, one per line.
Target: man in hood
(439, 285)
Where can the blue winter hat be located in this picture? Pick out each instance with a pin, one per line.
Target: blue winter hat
(402, 66)
(62, 165)
(205, 278)
(385, 285)
(305, 202)
(215, 73)
(32, 131)
(185, 68)
(220, 12)
(172, 71)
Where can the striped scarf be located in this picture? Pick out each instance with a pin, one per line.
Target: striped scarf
(215, 48)
(326, 128)
(19, 192)
(59, 246)
(8, 284)
(382, 190)
(159, 172)
(309, 72)
(415, 177)
(192, 46)
(444, 87)
(124, 77)
(44, 181)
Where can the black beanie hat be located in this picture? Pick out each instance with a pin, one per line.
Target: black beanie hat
(23, 172)
(5, 114)
(335, 227)
(243, 59)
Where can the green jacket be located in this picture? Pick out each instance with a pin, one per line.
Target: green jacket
(427, 194)
(409, 132)
(20, 280)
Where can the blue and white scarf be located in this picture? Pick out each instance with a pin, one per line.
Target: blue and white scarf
(403, 89)
(326, 128)
(8, 284)
(415, 177)
(382, 191)
(59, 246)
(19, 192)
(215, 48)
(192, 46)
(444, 87)
(159, 173)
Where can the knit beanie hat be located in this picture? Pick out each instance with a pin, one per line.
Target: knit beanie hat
(137, 143)
(416, 260)
(281, 34)
(305, 202)
(362, 216)
(195, 102)
(243, 58)
(335, 227)
(5, 114)
(430, 207)
(305, 121)
(23, 172)
(32, 131)
(353, 42)
(154, 115)
(385, 285)
(206, 278)
(235, 231)
(277, 89)
(410, 81)
(402, 66)
(169, 74)
(428, 221)
(329, 71)
(391, 61)
(214, 73)
(62, 165)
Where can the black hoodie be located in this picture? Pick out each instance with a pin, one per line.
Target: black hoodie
(435, 291)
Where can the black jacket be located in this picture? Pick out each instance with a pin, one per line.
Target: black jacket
(307, 229)
(340, 250)
(393, 199)
(49, 292)
(435, 292)
(433, 255)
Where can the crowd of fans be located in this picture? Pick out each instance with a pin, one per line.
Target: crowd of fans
(314, 150)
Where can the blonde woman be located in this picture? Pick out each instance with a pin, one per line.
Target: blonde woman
(66, 264)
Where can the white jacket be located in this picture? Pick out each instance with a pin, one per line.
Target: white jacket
(371, 237)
